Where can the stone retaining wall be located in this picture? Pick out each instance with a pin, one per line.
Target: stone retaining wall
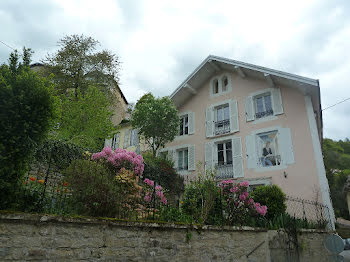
(51, 238)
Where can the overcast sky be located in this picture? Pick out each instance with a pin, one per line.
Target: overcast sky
(161, 42)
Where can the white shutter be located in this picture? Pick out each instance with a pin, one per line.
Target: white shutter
(191, 123)
(191, 158)
(237, 160)
(208, 156)
(108, 142)
(126, 138)
(234, 125)
(249, 108)
(174, 155)
(209, 121)
(277, 101)
(252, 160)
(286, 146)
(117, 139)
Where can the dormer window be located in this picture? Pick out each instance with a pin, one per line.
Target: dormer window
(220, 85)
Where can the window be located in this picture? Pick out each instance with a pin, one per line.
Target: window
(220, 85)
(224, 157)
(183, 125)
(222, 120)
(268, 149)
(115, 141)
(133, 137)
(182, 159)
(263, 105)
(216, 86)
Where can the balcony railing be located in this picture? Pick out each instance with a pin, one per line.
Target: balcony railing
(224, 170)
(270, 160)
(263, 114)
(222, 127)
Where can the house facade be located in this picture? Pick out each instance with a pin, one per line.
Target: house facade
(248, 122)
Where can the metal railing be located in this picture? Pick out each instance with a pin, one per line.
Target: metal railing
(222, 127)
(224, 170)
(263, 114)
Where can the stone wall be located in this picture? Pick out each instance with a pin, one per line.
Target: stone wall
(51, 238)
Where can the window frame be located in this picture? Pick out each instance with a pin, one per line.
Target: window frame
(255, 99)
(277, 154)
(183, 125)
(217, 82)
(185, 165)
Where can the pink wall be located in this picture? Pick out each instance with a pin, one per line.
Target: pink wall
(302, 180)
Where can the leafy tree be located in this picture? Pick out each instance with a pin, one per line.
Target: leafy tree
(86, 119)
(26, 112)
(78, 64)
(156, 119)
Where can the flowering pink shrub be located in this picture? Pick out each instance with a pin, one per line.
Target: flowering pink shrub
(151, 191)
(237, 203)
(121, 158)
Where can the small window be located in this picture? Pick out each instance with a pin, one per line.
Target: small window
(216, 86)
(224, 84)
(183, 125)
(268, 149)
(222, 120)
(263, 105)
(133, 137)
(115, 141)
(182, 159)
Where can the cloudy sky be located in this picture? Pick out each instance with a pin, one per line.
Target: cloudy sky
(160, 42)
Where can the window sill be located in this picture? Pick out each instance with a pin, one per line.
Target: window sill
(181, 137)
(223, 135)
(270, 168)
(184, 172)
(219, 94)
(265, 119)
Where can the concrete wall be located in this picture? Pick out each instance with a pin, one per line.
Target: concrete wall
(34, 237)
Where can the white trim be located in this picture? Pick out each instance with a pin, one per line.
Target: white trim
(301, 79)
(321, 172)
(175, 148)
(269, 168)
(219, 78)
(260, 92)
(264, 119)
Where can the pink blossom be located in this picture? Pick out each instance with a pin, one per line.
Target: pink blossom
(251, 201)
(159, 188)
(149, 182)
(107, 150)
(234, 189)
(164, 200)
(160, 194)
(242, 197)
(244, 183)
(261, 209)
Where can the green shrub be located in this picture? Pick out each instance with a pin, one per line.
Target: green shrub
(201, 200)
(273, 197)
(97, 190)
(162, 172)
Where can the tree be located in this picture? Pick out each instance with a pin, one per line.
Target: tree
(78, 64)
(156, 119)
(86, 120)
(26, 112)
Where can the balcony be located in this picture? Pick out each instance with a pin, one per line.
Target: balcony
(222, 127)
(270, 160)
(264, 114)
(224, 170)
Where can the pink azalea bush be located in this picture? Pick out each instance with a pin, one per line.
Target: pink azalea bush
(151, 191)
(239, 206)
(121, 158)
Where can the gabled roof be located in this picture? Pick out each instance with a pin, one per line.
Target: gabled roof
(213, 64)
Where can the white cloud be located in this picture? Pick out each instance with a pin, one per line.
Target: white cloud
(160, 42)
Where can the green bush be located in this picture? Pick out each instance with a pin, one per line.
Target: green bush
(162, 171)
(201, 201)
(273, 197)
(26, 112)
(97, 190)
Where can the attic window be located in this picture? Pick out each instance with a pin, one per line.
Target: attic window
(216, 86)
(224, 84)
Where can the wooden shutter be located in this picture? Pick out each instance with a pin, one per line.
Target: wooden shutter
(237, 160)
(286, 146)
(234, 125)
(249, 108)
(208, 156)
(191, 158)
(191, 123)
(252, 159)
(277, 101)
(126, 138)
(209, 121)
(108, 142)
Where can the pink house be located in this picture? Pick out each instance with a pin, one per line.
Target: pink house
(252, 123)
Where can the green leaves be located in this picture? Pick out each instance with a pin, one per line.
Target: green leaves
(156, 119)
